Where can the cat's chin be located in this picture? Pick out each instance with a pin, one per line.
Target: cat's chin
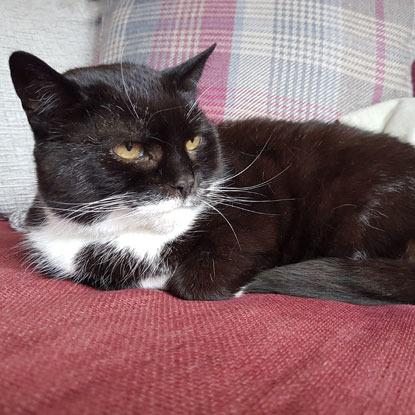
(167, 206)
(169, 217)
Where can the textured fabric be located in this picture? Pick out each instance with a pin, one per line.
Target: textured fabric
(68, 349)
(17, 220)
(62, 33)
(296, 59)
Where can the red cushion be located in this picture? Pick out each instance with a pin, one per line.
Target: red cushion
(66, 348)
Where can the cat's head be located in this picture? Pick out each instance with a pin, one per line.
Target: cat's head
(118, 136)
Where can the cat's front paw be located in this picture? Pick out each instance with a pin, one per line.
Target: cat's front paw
(191, 293)
(205, 276)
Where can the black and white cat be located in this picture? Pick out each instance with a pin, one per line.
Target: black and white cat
(137, 189)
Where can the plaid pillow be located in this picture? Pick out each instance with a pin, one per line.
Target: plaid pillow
(297, 59)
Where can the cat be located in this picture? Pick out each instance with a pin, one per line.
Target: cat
(138, 189)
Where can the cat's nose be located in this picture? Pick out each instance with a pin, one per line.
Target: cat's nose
(184, 185)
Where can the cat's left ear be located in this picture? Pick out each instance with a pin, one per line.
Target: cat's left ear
(187, 75)
(40, 88)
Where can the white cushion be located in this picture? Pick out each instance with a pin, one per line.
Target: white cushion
(61, 32)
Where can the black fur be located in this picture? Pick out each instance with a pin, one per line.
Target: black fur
(313, 209)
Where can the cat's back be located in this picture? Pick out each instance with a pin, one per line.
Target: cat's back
(331, 182)
(316, 147)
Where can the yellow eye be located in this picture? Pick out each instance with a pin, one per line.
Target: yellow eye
(129, 151)
(193, 143)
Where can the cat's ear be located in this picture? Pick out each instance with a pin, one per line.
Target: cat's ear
(187, 75)
(43, 91)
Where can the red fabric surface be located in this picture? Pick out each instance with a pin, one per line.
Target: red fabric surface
(68, 349)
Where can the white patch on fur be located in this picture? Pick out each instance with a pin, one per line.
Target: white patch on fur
(59, 251)
(359, 256)
(393, 187)
(369, 212)
(143, 232)
(372, 209)
(157, 282)
(240, 293)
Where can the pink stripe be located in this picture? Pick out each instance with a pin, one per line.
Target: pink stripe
(380, 52)
(214, 113)
(166, 40)
(180, 27)
(183, 27)
(175, 20)
(317, 108)
(158, 32)
(217, 68)
(276, 108)
(164, 45)
(265, 96)
(191, 40)
(171, 42)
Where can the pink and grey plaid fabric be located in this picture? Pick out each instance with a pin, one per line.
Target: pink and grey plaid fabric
(296, 59)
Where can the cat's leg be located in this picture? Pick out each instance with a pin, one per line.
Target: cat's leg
(220, 263)
(103, 267)
(208, 275)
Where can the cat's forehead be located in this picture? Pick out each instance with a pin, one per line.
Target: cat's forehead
(117, 75)
(132, 91)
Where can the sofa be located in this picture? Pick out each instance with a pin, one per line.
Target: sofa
(70, 349)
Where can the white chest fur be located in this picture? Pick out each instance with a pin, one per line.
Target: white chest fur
(142, 232)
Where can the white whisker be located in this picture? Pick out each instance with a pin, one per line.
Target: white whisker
(193, 106)
(227, 221)
(162, 110)
(126, 90)
(250, 164)
(247, 210)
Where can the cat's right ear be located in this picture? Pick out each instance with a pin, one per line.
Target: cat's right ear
(187, 75)
(44, 93)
